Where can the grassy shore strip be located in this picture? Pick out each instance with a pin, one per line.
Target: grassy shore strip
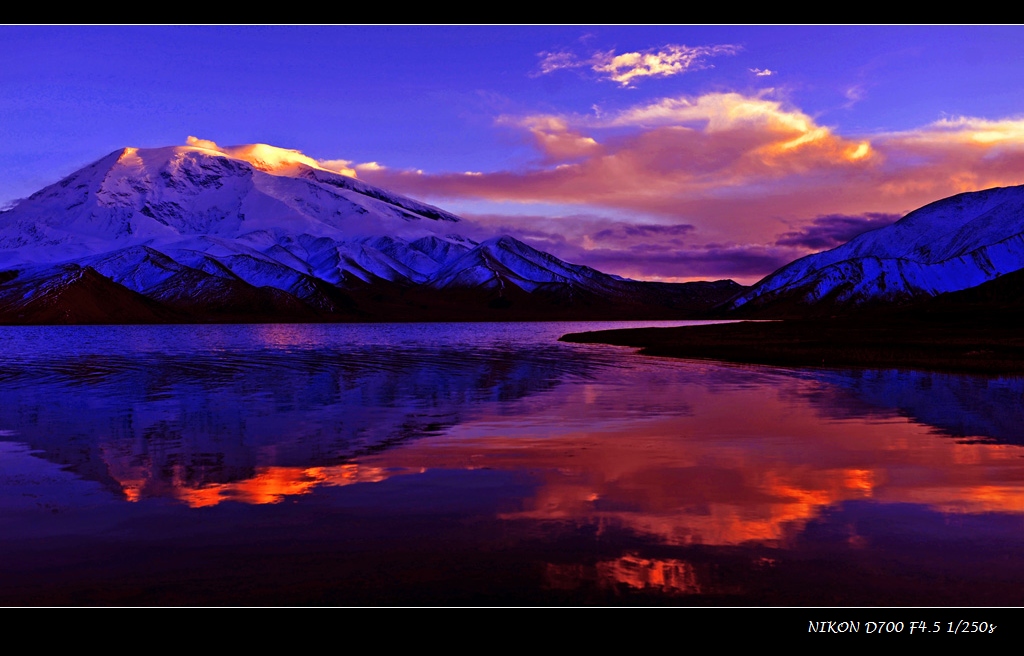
(970, 346)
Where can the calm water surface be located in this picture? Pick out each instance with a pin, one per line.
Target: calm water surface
(491, 464)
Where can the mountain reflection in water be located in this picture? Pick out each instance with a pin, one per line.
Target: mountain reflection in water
(489, 463)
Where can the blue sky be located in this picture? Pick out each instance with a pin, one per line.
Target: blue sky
(657, 152)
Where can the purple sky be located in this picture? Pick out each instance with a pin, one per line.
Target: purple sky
(660, 152)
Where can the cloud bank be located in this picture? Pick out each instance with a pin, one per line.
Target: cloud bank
(827, 232)
(757, 181)
(720, 184)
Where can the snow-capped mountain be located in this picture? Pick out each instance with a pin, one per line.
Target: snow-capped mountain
(952, 244)
(188, 197)
(258, 233)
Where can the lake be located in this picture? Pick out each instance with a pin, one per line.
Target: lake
(490, 464)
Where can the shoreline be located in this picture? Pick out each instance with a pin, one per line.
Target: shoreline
(977, 345)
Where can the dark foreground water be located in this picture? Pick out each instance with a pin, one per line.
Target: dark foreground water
(489, 464)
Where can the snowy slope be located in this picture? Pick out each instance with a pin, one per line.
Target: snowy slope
(949, 245)
(190, 206)
(157, 196)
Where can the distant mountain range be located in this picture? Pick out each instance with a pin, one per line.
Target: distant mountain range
(192, 234)
(965, 251)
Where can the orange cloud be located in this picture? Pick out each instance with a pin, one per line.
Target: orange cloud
(967, 130)
(676, 155)
(555, 139)
(651, 478)
(744, 170)
(747, 172)
(764, 130)
(952, 155)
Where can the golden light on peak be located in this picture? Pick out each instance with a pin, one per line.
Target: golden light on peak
(130, 157)
(271, 158)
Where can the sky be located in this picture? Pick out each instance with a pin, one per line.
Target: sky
(690, 152)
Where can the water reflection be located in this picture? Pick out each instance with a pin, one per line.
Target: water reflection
(157, 424)
(746, 464)
(647, 476)
(665, 576)
(961, 406)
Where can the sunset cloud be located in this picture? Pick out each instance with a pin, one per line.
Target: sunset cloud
(342, 166)
(721, 184)
(614, 136)
(950, 156)
(555, 139)
(756, 181)
(659, 158)
(965, 129)
(627, 67)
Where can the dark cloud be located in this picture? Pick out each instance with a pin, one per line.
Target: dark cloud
(642, 230)
(644, 251)
(712, 261)
(535, 229)
(834, 230)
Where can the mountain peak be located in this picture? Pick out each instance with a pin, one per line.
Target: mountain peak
(157, 196)
(262, 157)
(267, 158)
(946, 246)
